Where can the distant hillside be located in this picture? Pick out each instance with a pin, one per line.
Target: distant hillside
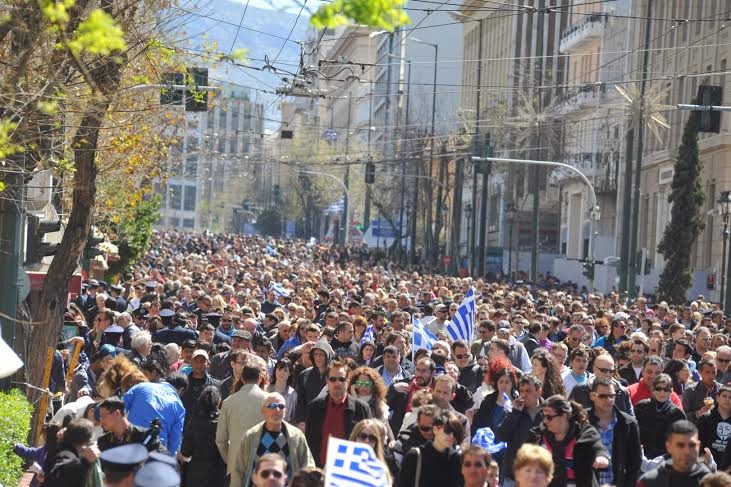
(221, 25)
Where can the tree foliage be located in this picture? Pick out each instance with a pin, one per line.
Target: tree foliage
(385, 14)
(686, 221)
(15, 414)
(269, 223)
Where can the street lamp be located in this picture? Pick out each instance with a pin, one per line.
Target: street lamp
(510, 216)
(725, 208)
(468, 215)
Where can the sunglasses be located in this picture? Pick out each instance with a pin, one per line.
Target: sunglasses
(663, 389)
(368, 437)
(604, 397)
(276, 405)
(604, 371)
(337, 379)
(426, 429)
(265, 474)
(462, 356)
(363, 383)
(550, 417)
(448, 430)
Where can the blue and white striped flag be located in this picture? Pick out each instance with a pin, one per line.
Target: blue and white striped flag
(462, 326)
(351, 464)
(368, 334)
(278, 289)
(423, 338)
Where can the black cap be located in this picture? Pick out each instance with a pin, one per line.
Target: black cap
(125, 458)
(213, 318)
(157, 474)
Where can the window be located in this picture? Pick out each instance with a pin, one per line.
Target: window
(174, 222)
(191, 166)
(175, 196)
(189, 198)
(188, 223)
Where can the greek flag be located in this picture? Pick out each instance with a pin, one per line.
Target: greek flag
(423, 338)
(368, 334)
(351, 464)
(462, 326)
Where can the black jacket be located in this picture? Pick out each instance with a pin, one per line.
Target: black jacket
(654, 424)
(194, 390)
(471, 377)
(628, 373)
(514, 429)
(530, 342)
(68, 469)
(587, 447)
(626, 453)
(355, 410)
(199, 442)
(483, 416)
(408, 438)
(580, 394)
(437, 469)
(665, 476)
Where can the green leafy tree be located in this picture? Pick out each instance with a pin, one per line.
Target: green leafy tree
(269, 223)
(15, 415)
(386, 14)
(686, 221)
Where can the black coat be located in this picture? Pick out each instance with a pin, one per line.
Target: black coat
(199, 442)
(437, 469)
(308, 385)
(514, 429)
(715, 438)
(580, 394)
(654, 425)
(68, 469)
(628, 373)
(483, 416)
(355, 410)
(626, 453)
(471, 377)
(666, 475)
(587, 448)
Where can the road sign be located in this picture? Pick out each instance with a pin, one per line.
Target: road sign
(447, 259)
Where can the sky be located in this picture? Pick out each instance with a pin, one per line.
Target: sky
(291, 6)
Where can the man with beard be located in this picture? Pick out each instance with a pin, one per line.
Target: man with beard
(399, 393)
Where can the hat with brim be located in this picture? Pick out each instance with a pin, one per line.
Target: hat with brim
(124, 458)
(166, 313)
(200, 353)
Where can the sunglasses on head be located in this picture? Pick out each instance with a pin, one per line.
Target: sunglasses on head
(337, 379)
(265, 474)
(276, 405)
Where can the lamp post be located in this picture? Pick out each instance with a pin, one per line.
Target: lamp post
(468, 215)
(725, 207)
(510, 216)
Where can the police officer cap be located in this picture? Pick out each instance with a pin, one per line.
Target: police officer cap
(164, 458)
(157, 474)
(123, 458)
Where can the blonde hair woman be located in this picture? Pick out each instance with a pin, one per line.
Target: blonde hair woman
(373, 432)
(533, 466)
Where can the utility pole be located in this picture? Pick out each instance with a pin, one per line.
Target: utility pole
(537, 169)
(403, 159)
(476, 150)
(346, 177)
(456, 215)
(367, 203)
(638, 165)
(483, 208)
(438, 222)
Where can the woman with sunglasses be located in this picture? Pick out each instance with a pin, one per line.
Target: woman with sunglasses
(655, 415)
(367, 385)
(575, 445)
(373, 433)
(437, 463)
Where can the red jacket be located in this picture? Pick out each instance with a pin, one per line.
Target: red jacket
(640, 391)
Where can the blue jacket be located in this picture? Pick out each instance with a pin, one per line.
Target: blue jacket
(150, 400)
(288, 345)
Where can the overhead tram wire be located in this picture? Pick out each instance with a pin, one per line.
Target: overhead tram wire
(238, 29)
(294, 26)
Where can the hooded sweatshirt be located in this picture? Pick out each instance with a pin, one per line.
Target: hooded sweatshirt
(310, 382)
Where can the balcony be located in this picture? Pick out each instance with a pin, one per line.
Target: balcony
(582, 33)
(588, 96)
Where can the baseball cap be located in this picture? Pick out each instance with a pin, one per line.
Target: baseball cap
(200, 353)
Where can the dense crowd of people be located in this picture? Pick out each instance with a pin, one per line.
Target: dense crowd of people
(232, 360)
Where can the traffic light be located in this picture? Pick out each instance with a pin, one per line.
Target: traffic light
(710, 96)
(588, 269)
(276, 193)
(35, 248)
(370, 173)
